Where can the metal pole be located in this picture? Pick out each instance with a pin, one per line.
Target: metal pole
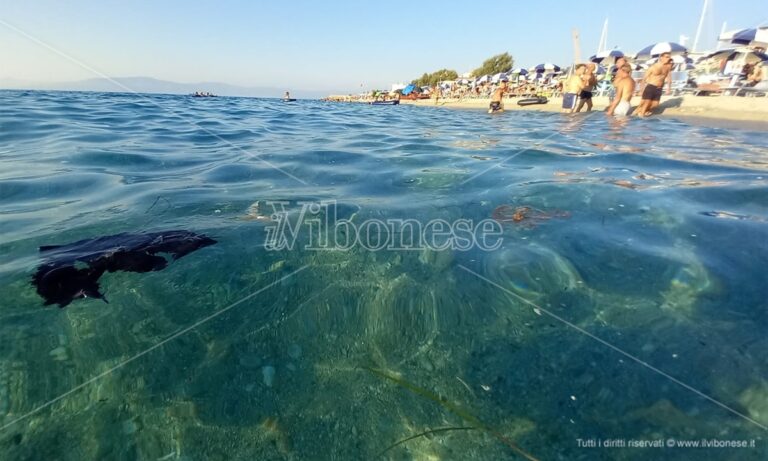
(701, 23)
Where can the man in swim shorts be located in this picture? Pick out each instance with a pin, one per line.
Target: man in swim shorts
(654, 80)
(497, 104)
(573, 87)
(585, 96)
(625, 87)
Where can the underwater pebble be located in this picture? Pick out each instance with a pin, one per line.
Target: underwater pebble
(268, 372)
(59, 354)
(250, 361)
(294, 351)
(129, 427)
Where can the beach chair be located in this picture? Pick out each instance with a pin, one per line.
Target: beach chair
(679, 82)
(761, 89)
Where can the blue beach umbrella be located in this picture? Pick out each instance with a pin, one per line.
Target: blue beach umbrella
(518, 71)
(752, 37)
(653, 51)
(546, 67)
(500, 77)
(607, 57)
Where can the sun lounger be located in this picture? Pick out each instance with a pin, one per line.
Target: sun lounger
(761, 89)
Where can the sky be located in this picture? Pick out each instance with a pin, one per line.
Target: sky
(338, 46)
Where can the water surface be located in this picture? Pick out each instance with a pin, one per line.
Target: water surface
(658, 250)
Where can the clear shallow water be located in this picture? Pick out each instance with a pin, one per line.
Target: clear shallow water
(660, 252)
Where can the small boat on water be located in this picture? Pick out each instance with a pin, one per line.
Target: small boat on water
(289, 100)
(202, 94)
(393, 102)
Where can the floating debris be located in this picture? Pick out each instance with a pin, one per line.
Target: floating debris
(525, 215)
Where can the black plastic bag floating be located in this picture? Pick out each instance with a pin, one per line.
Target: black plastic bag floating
(72, 271)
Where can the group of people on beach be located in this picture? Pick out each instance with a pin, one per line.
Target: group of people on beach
(580, 85)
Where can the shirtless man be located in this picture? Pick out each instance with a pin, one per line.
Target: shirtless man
(654, 80)
(585, 95)
(497, 104)
(625, 87)
(617, 65)
(573, 87)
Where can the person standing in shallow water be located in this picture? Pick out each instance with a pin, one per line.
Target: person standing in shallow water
(573, 87)
(655, 77)
(497, 104)
(625, 87)
(585, 95)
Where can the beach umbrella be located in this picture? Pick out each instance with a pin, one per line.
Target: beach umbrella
(546, 67)
(739, 54)
(676, 59)
(607, 57)
(752, 37)
(653, 51)
(680, 62)
(500, 77)
(483, 79)
(518, 71)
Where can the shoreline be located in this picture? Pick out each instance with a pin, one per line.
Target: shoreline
(715, 111)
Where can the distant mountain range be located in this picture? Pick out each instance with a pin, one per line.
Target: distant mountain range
(153, 85)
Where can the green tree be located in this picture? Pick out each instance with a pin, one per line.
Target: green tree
(500, 63)
(436, 77)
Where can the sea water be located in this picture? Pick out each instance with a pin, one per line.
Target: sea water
(625, 303)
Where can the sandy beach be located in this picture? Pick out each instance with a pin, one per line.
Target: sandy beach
(721, 111)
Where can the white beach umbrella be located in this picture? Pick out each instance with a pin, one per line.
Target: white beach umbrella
(653, 51)
(546, 67)
(607, 57)
(680, 62)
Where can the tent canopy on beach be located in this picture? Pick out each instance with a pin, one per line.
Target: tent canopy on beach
(412, 88)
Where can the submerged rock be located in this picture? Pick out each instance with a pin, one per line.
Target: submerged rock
(268, 373)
